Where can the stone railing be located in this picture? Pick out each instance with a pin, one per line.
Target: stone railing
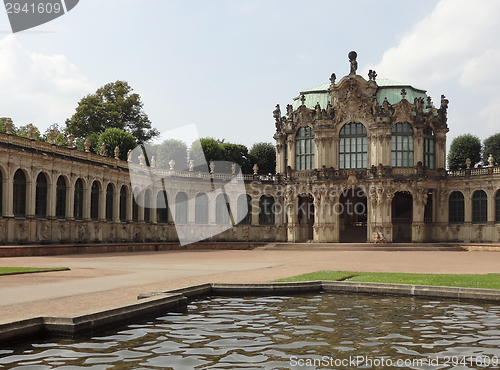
(404, 170)
(474, 172)
(159, 172)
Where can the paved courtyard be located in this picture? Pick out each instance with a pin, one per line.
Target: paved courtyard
(102, 280)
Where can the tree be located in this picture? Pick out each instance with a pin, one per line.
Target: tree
(237, 153)
(492, 146)
(205, 150)
(113, 105)
(4, 129)
(61, 136)
(172, 149)
(264, 155)
(23, 132)
(463, 147)
(114, 137)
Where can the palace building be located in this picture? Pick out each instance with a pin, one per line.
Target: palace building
(355, 157)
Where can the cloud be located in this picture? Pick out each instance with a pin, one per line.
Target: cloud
(38, 88)
(454, 50)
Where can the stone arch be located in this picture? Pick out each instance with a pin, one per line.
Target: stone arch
(352, 209)
(20, 192)
(402, 215)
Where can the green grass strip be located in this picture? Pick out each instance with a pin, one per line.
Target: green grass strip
(28, 270)
(485, 281)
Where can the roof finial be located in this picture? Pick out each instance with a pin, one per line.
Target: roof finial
(354, 65)
(403, 93)
(303, 99)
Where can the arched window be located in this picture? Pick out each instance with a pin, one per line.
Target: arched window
(497, 207)
(135, 205)
(402, 145)
(41, 196)
(94, 201)
(19, 196)
(456, 208)
(78, 200)
(353, 147)
(61, 198)
(245, 209)
(147, 206)
(266, 210)
(123, 204)
(304, 149)
(109, 202)
(222, 209)
(162, 207)
(201, 209)
(429, 149)
(479, 207)
(181, 208)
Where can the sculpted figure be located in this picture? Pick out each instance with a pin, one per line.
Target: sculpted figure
(129, 155)
(354, 64)
(103, 150)
(386, 105)
(191, 165)
(289, 111)
(318, 110)
(277, 113)
(329, 110)
(117, 152)
(153, 162)
(374, 106)
(491, 161)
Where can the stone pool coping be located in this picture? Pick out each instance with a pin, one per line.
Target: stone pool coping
(154, 303)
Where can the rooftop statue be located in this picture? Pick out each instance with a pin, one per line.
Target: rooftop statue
(354, 64)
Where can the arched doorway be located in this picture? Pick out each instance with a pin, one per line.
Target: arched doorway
(402, 217)
(306, 217)
(352, 210)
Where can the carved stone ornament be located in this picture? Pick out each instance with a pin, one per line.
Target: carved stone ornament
(52, 136)
(153, 162)
(129, 155)
(255, 169)
(87, 145)
(171, 164)
(8, 126)
(191, 165)
(117, 152)
(403, 112)
(71, 139)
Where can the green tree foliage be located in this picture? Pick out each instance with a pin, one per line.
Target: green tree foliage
(4, 129)
(236, 153)
(172, 149)
(23, 132)
(205, 150)
(492, 146)
(114, 137)
(463, 147)
(113, 105)
(61, 136)
(264, 155)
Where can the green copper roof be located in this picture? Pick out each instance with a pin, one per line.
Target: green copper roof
(386, 88)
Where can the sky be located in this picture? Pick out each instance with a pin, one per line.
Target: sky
(224, 65)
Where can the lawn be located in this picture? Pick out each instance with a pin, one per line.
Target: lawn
(27, 270)
(486, 281)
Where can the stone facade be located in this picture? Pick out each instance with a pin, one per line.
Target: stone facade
(355, 158)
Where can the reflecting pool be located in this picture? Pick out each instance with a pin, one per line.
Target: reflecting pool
(320, 331)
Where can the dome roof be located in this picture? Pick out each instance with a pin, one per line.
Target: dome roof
(386, 88)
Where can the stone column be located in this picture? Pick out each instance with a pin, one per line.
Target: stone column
(280, 155)
(8, 199)
(70, 202)
(51, 197)
(30, 197)
(255, 211)
(102, 204)
(468, 232)
(130, 204)
(440, 149)
(291, 152)
(87, 195)
(418, 148)
(418, 226)
(116, 204)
